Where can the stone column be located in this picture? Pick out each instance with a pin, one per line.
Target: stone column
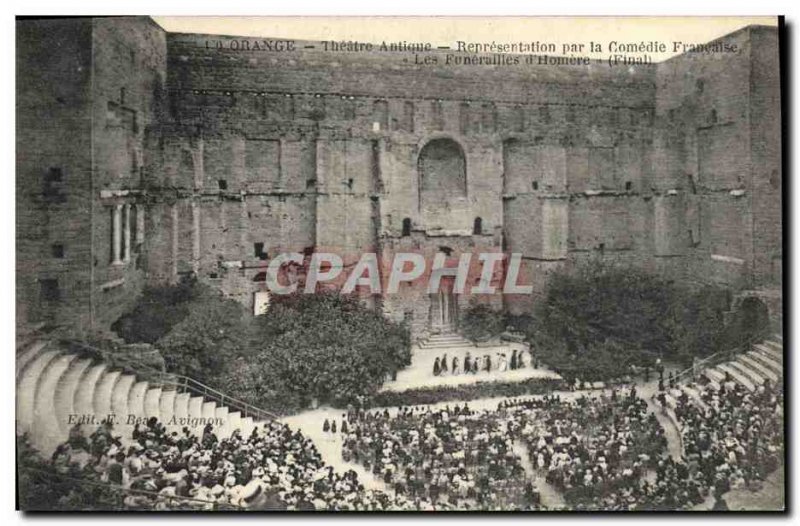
(116, 237)
(174, 215)
(195, 237)
(127, 233)
(139, 224)
(281, 146)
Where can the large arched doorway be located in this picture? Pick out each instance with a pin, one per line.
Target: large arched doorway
(442, 171)
(444, 308)
(443, 314)
(751, 319)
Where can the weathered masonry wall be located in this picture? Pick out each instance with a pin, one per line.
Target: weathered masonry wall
(146, 156)
(88, 91)
(342, 151)
(129, 75)
(718, 150)
(54, 171)
(767, 174)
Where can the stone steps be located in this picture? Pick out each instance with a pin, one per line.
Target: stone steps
(714, 375)
(66, 391)
(27, 355)
(769, 351)
(445, 341)
(53, 384)
(756, 366)
(748, 372)
(694, 396)
(46, 421)
(736, 376)
(151, 402)
(766, 359)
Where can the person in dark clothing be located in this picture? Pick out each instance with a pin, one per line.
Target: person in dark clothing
(467, 363)
(326, 426)
(436, 368)
(513, 363)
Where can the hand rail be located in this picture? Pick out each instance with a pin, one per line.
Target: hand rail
(725, 354)
(177, 381)
(128, 491)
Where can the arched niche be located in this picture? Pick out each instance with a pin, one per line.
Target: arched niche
(442, 169)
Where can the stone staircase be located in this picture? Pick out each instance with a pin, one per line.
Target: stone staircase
(764, 361)
(57, 388)
(445, 341)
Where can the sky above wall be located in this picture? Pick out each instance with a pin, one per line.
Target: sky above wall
(447, 30)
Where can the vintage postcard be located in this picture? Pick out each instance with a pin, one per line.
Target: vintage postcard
(370, 264)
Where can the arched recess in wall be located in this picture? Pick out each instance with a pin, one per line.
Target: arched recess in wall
(517, 166)
(442, 169)
(477, 226)
(406, 227)
(522, 211)
(752, 318)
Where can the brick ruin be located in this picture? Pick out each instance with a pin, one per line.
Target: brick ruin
(143, 156)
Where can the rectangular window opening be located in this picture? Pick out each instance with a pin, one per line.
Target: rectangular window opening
(55, 175)
(258, 249)
(49, 289)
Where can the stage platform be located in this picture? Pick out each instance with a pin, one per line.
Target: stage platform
(420, 373)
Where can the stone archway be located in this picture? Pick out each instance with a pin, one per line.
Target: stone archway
(442, 168)
(751, 318)
(444, 308)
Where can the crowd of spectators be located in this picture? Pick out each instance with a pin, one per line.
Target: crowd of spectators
(732, 438)
(596, 450)
(603, 451)
(272, 468)
(449, 458)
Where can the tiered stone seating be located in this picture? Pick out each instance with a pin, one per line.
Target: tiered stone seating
(694, 396)
(763, 362)
(715, 377)
(751, 369)
(752, 376)
(757, 367)
(737, 376)
(57, 388)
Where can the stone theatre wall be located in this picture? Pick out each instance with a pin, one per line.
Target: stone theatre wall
(209, 155)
